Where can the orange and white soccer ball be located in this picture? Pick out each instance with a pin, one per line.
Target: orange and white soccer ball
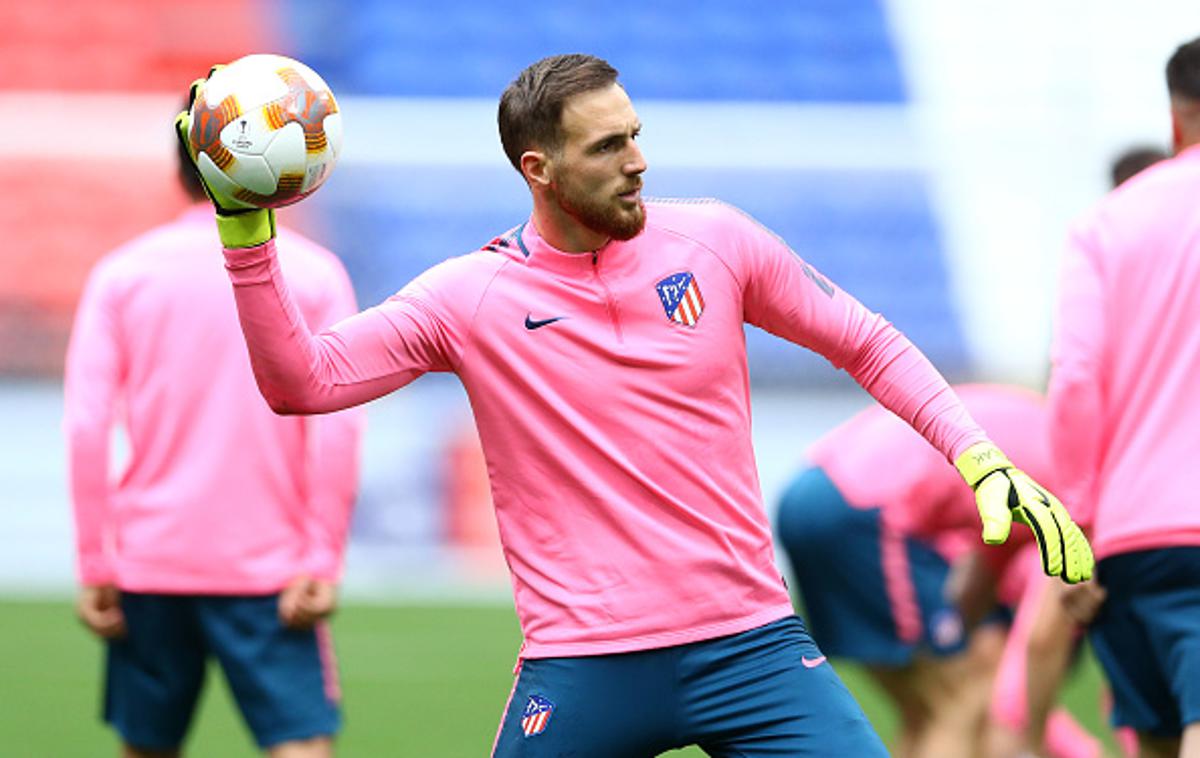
(266, 131)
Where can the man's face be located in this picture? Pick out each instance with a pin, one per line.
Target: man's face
(596, 174)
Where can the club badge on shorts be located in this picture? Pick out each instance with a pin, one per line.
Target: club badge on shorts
(946, 629)
(537, 714)
(680, 296)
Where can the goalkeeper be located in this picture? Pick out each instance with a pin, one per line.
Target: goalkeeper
(601, 345)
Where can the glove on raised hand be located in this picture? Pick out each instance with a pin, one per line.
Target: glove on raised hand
(239, 223)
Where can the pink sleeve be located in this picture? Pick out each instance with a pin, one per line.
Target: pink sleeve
(360, 358)
(333, 442)
(787, 297)
(1074, 397)
(91, 384)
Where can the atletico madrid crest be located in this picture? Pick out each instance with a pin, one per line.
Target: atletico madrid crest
(681, 298)
(536, 717)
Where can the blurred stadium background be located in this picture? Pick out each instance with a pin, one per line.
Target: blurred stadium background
(927, 155)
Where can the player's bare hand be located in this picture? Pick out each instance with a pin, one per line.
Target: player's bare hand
(1082, 601)
(99, 608)
(306, 601)
(971, 587)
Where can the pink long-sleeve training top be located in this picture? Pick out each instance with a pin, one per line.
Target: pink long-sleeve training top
(1125, 384)
(219, 495)
(611, 394)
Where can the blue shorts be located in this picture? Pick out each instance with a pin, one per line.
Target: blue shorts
(1147, 638)
(765, 692)
(837, 556)
(282, 679)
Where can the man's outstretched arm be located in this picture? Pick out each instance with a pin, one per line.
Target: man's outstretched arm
(366, 356)
(788, 297)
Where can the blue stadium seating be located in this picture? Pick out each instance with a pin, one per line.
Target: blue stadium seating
(871, 231)
(804, 50)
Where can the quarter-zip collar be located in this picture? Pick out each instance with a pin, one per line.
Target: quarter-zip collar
(541, 254)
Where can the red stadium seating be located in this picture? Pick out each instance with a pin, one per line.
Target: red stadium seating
(82, 173)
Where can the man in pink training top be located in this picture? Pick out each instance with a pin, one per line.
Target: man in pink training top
(1044, 641)
(1125, 410)
(224, 534)
(601, 346)
(876, 528)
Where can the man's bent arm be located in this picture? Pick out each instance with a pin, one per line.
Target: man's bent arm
(90, 392)
(333, 444)
(788, 297)
(899, 376)
(366, 356)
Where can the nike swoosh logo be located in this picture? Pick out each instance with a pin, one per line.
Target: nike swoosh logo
(811, 663)
(531, 324)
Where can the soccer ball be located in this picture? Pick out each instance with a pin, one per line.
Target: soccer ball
(266, 131)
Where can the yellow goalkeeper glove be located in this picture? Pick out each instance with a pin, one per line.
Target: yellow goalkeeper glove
(1005, 494)
(239, 224)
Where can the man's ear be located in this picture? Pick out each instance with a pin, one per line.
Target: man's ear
(1176, 131)
(535, 166)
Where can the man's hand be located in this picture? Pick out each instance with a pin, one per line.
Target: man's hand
(1005, 494)
(1082, 602)
(99, 608)
(306, 601)
(240, 224)
(971, 588)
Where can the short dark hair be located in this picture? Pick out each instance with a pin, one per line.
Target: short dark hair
(1132, 161)
(1183, 71)
(185, 167)
(531, 107)
(188, 178)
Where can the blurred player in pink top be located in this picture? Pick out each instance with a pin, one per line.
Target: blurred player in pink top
(601, 346)
(1044, 640)
(878, 530)
(224, 534)
(1125, 407)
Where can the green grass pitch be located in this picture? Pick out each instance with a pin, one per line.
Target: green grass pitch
(424, 681)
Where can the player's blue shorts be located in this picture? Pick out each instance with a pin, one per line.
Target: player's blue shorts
(765, 692)
(838, 555)
(1147, 638)
(282, 679)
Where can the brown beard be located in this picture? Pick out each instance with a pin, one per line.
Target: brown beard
(606, 218)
